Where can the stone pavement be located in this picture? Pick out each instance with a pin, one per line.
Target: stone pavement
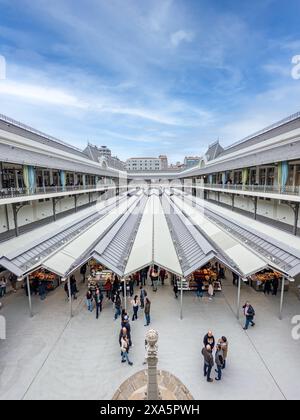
(50, 356)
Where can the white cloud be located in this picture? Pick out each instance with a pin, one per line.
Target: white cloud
(41, 94)
(181, 36)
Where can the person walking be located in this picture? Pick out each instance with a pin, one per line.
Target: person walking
(42, 290)
(199, 290)
(219, 359)
(66, 288)
(89, 300)
(135, 307)
(211, 291)
(118, 306)
(108, 288)
(144, 275)
(267, 287)
(2, 287)
(13, 281)
(83, 272)
(147, 311)
(124, 350)
(131, 286)
(208, 362)
(126, 324)
(154, 279)
(162, 276)
(98, 301)
(249, 313)
(175, 289)
(209, 340)
(74, 289)
(143, 295)
(275, 285)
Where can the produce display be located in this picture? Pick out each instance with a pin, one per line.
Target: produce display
(262, 277)
(207, 275)
(51, 280)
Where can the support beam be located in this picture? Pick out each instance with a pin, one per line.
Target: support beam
(255, 200)
(7, 217)
(296, 214)
(238, 305)
(15, 214)
(295, 208)
(54, 208)
(70, 297)
(29, 296)
(232, 202)
(281, 298)
(125, 294)
(181, 298)
(75, 203)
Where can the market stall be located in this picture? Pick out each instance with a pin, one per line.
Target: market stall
(51, 280)
(258, 280)
(207, 275)
(98, 276)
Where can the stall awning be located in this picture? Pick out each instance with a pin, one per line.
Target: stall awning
(75, 252)
(245, 260)
(279, 249)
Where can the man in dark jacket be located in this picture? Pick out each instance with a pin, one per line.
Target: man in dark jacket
(126, 324)
(209, 340)
(249, 313)
(208, 362)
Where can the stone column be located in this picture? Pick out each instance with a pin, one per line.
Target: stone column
(152, 359)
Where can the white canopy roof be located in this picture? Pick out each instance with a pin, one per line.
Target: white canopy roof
(61, 262)
(153, 243)
(247, 262)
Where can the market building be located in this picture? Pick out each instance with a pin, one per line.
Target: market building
(74, 216)
(62, 209)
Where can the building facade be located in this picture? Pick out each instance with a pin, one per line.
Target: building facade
(147, 163)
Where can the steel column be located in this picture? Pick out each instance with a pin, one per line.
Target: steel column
(29, 296)
(239, 298)
(281, 298)
(181, 298)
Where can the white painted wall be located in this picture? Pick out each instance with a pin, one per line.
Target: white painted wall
(40, 210)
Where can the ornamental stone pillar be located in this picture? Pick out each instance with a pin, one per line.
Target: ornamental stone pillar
(152, 359)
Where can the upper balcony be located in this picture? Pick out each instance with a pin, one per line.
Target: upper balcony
(277, 192)
(17, 195)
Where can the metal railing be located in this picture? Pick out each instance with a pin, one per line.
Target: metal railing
(23, 192)
(275, 189)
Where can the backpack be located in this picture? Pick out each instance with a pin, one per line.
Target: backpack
(251, 311)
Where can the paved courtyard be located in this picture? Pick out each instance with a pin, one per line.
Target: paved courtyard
(52, 357)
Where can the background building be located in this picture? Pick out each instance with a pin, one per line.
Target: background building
(190, 161)
(147, 163)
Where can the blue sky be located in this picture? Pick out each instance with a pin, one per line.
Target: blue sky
(147, 77)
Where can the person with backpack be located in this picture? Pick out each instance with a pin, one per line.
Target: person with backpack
(118, 306)
(219, 359)
(124, 350)
(89, 300)
(143, 295)
(249, 313)
(126, 324)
